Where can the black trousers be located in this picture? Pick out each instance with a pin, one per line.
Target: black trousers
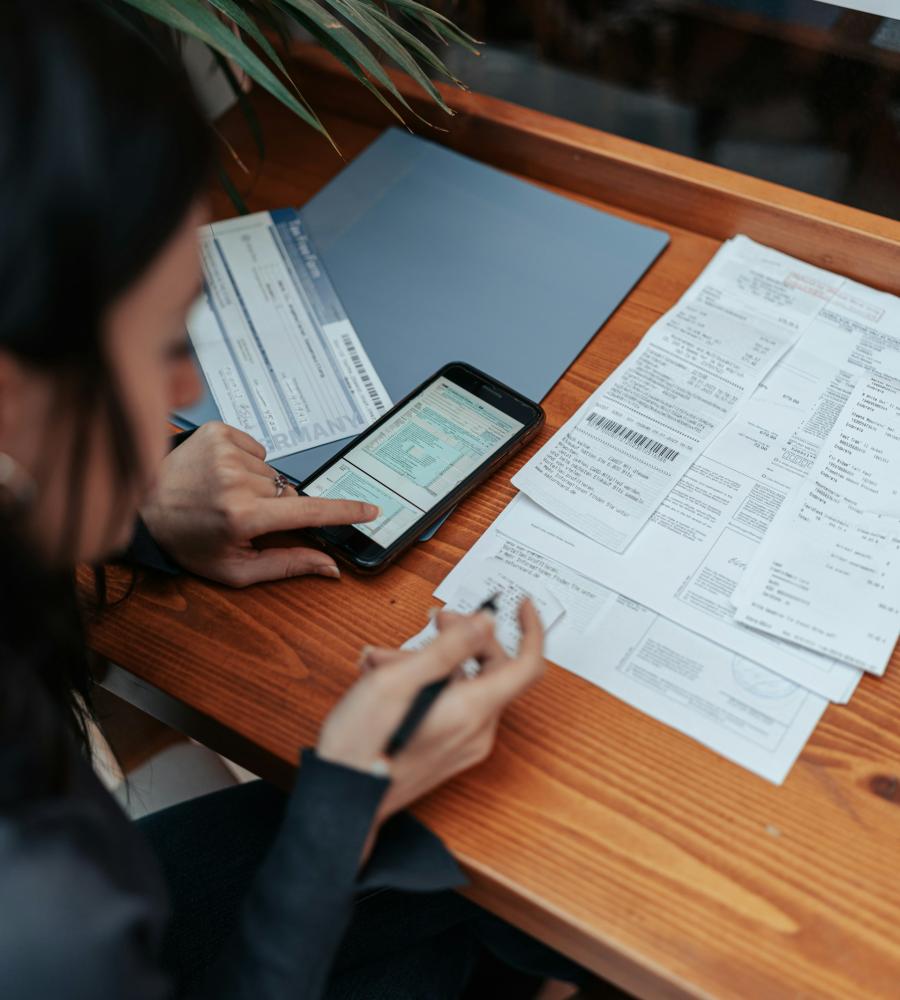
(399, 945)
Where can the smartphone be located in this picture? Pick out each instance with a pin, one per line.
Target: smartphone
(420, 459)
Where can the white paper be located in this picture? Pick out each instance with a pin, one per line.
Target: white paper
(281, 358)
(820, 674)
(615, 460)
(690, 557)
(748, 714)
(828, 576)
(582, 599)
(509, 586)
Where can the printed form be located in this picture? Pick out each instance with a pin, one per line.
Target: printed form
(828, 575)
(750, 715)
(619, 456)
(817, 433)
(281, 358)
(687, 561)
(508, 585)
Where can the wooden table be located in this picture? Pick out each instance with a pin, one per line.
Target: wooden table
(627, 846)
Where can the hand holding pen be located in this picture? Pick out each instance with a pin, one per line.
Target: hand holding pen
(456, 730)
(426, 698)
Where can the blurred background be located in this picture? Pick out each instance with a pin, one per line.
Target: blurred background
(801, 92)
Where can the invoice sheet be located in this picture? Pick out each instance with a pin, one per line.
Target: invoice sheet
(509, 586)
(619, 456)
(748, 714)
(828, 574)
(687, 561)
(282, 360)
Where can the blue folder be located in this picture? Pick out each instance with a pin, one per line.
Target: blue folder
(439, 258)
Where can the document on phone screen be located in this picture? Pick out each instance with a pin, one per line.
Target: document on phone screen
(828, 575)
(417, 456)
(606, 471)
(748, 714)
(282, 360)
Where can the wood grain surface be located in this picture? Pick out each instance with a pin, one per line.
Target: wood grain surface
(631, 848)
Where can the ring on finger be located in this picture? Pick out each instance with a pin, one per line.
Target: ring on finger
(281, 482)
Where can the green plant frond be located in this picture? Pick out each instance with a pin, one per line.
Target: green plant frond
(195, 18)
(245, 105)
(437, 23)
(408, 39)
(359, 15)
(356, 32)
(268, 11)
(324, 24)
(337, 39)
(234, 11)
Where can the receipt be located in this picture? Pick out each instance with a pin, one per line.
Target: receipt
(828, 575)
(282, 360)
(610, 466)
(485, 578)
(582, 599)
(750, 715)
(690, 557)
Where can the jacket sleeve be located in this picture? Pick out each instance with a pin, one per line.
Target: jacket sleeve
(69, 927)
(301, 901)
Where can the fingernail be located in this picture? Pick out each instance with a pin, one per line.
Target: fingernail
(372, 511)
(362, 662)
(331, 571)
(434, 612)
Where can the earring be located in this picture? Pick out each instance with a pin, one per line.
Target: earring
(16, 481)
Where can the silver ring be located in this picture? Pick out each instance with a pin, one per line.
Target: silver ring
(281, 482)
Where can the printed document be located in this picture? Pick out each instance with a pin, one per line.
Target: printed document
(508, 585)
(686, 566)
(750, 715)
(691, 555)
(611, 465)
(282, 360)
(828, 574)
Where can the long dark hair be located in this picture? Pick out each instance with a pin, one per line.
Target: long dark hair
(103, 149)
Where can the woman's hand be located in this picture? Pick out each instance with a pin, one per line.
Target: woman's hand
(215, 494)
(458, 730)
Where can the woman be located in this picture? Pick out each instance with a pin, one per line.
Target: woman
(103, 160)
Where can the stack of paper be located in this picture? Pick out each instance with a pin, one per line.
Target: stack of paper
(720, 520)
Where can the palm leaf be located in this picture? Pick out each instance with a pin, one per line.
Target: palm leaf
(408, 39)
(354, 31)
(246, 107)
(346, 48)
(245, 22)
(437, 23)
(266, 9)
(338, 39)
(359, 15)
(195, 18)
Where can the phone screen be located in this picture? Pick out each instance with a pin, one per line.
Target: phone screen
(412, 461)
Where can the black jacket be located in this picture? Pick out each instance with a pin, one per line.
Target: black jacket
(83, 905)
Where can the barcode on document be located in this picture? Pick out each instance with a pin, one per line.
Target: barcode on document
(363, 373)
(632, 437)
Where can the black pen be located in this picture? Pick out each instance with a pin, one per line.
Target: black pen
(426, 698)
